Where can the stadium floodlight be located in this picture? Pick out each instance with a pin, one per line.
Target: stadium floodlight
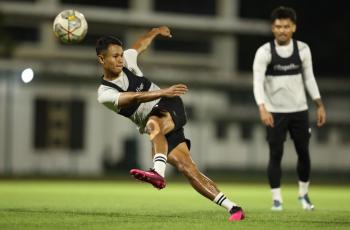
(27, 75)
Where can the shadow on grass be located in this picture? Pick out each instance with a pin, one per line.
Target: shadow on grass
(299, 218)
(151, 216)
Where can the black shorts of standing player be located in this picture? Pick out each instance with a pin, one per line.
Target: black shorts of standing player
(297, 124)
(176, 109)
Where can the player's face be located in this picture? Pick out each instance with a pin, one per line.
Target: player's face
(113, 59)
(283, 30)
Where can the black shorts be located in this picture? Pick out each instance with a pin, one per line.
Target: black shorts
(176, 109)
(297, 124)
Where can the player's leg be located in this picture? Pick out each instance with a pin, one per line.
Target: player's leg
(303, 169)
(276, 136)
(300, 133)
(180, 158)
(156, 128)
(303, 165)
(274, 173)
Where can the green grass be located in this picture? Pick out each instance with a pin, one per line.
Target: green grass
(134, 205)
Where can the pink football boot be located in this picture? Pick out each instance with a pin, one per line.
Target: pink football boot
(237, 214)
(149, 176)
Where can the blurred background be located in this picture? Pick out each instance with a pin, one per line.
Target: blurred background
(54, 126)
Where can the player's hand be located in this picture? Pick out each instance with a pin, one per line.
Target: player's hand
(265, 116)
(321, 116)
(164, 31)
(175, 90)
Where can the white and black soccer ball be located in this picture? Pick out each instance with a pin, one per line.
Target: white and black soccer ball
(70, 26)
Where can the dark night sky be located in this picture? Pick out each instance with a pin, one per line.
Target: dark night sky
(324, 25)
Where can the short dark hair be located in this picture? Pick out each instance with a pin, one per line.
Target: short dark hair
(103, 42)
(283, 12)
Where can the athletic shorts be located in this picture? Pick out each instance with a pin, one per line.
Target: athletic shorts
(297, 124)
(176, 109)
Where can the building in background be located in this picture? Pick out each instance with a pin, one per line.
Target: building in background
(54, 125)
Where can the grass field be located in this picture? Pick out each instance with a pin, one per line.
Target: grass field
(134, 205)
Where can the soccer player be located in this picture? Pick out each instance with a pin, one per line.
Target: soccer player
(157, 112)
(282, 70)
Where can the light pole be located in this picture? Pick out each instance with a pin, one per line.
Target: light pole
(10, 78)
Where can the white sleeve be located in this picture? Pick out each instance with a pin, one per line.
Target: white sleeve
(308, 73)
(261, 60)
(130, 57)
(109, 98)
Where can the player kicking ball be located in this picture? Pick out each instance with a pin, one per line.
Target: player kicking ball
(157, 112)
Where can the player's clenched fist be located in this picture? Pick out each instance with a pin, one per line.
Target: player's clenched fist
(164, 31)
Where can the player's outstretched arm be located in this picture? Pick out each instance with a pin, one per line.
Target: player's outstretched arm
(127, 98)
(144, 41)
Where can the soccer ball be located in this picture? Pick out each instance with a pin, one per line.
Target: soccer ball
(70, 26)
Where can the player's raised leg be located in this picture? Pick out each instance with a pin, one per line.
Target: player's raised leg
(181, 159)
(156, 128)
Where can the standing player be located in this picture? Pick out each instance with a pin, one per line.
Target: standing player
(282, 69)
(158, 112)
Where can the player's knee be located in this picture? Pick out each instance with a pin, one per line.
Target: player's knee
(153, 128)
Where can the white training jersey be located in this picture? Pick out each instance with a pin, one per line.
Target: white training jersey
(109, 96)
(286, 93)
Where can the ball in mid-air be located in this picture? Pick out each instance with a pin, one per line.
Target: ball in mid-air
(70, 26)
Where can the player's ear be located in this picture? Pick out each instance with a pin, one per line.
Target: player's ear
(294, 28)
(272, 27)
(101, 59)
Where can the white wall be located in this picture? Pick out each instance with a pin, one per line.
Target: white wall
(2, 123)
(105, 130)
